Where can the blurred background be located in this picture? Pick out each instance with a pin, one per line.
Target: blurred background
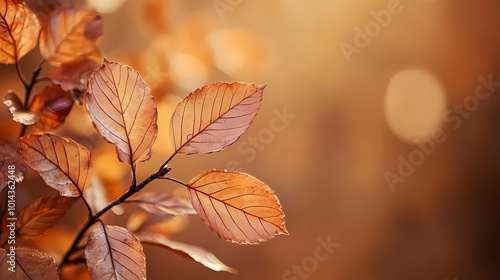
(379, 131)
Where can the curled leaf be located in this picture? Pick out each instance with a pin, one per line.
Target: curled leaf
(29, 263)
(70, 34)
(38, 217)
(52, 104)
(16, 108)
(237, 206)
(72, 77)
(10, 156)
(114, 253)
(123, 110)
(62, 163)
(19, 30)
(161, 204)
(195, 253)
(214, 117)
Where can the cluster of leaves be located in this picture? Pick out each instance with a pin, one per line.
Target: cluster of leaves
(237, 207)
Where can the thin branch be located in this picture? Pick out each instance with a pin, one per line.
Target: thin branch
(168, 160)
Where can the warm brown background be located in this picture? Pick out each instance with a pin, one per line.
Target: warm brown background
(327, 165)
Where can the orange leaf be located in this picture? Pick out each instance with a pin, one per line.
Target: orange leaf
(195, 253)
(237, 206)
(162, 204)
(123, 110)
(165, 225)
(19, 30)
(72, 77)
(29, 264)
(38, 217)
(10, 156)
(114, 253)
(62, 163)
(71, 33)
(52, 104)
(214, 117)
(16, 108)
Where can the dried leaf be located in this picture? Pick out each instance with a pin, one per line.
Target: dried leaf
(123, 110)
(52, 104)
(162, 204)
(96, 195)
(38, 217)
(10, 156)
(141, 221)
(197, 254)
(214, 117)
(19, 30)
(16, 108)
(62, 163)
(29, 264)
(72, 77)
(71, 33)
(237, 206)
(114, 253)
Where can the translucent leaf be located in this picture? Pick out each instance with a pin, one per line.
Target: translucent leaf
(52, 105)
(29, 264)
(72, 77)
(62, 163)
(123, 110)
(96, 195)
(10, 156)
(43, 214)
(19, 30)
(237, 206)
(195, 253)
(214, 117)
(16, 108)
(166, 225)
(114, 253)
(161, 204)
(71, 33)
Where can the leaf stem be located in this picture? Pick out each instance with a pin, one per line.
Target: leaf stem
(168, 160)
(29, 88)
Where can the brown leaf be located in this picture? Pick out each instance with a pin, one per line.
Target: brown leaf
(214, 117)
(166, 225)
(19, 30)
(16, 108)
(70, 34)
(52, 104)
(237, 206)
(162, 204)
(195, 253)
(123, 110)
(114, 253)
(29, 264)
(72, 77)
(10, 156)
(38, 217)
(62, 163)
(96, 195)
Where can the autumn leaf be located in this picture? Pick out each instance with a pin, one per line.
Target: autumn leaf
(214, 117)
(10, 156)
(195, 253)
(52, 104)
(43, 214)
(62, 163)
(95, 195)
(72, 77)
(161, 204)
(236, 206)
(123, 110)
(19, 113)
(71, 33)
(19, 30)
(166, 225)
(29, 263)
(114, 253)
